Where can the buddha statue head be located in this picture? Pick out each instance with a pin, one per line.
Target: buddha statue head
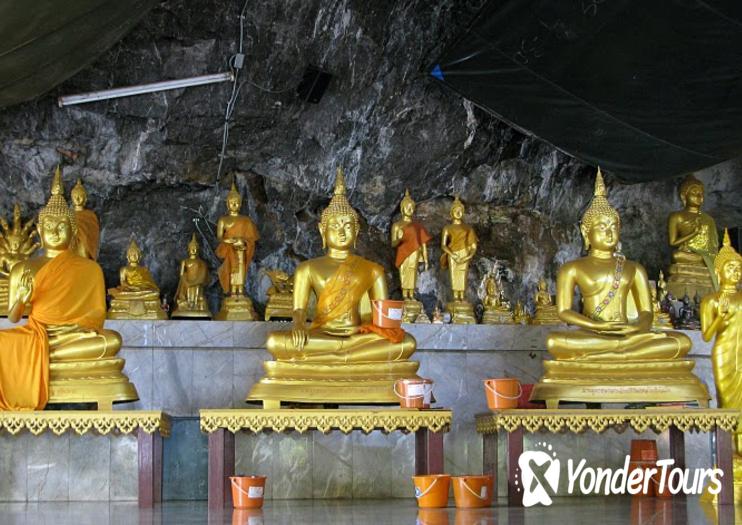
(234, 200)
(133, 253)
(457, 209)
(57, 226)
(691, 192)
(728, 263)
(79, 196)
(600, 224)
(407, 206)
(339, 223)
(193, 246)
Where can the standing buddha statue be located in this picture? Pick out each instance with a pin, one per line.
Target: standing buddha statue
(693, 235)
(194, 276)
(63, 354)
(546, 312)
(88, 227)
(607, 358)
(496, 307)
(341, 357)
(410, 238)
(459, 245)
(660, 319)
(237, 236)
(17, 243)
(138, 296)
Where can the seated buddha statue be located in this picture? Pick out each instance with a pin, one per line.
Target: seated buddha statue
(62, 354)
(340, 357)
(17, 243)
(458, 247)
(194, 276)
(496, 307)
(607, 358)
(88, 227)
(138, 296)
(693, 235)
(546, 312)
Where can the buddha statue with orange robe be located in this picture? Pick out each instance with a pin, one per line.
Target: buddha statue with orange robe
(341, 357)
(88, 227)
(62, 354)
(458, 246)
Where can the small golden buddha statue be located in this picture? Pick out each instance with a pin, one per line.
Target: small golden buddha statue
(496, 307)
(609, 359)
(520, 316)
(63, 354)
(459, 245)
(660, 320)
(411, 239)
(341, 357)
(17, 243)
(237, 236)
(546, 311)
(721, 318)
(138, 296)
(88, 227)
(280, 296)
(694, 236)
(190, 300)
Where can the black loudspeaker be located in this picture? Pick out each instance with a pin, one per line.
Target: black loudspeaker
(735, 235)
(313, 84)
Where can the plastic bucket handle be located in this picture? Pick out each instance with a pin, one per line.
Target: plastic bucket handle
(467, 487)
(413, 397)
(423, 493)
(498, 394)
(237, 486)
(377, 307)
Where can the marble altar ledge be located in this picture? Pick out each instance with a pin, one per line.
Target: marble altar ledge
(82, 421)
(326, 420)
(598, 420)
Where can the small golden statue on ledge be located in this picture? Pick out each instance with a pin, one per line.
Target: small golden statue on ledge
(237, 236)
(17, 244)
(520, 316)
(694, 236)
(546, 312)
(280, 296)
(63, 354)
(496, 307)
(459, 245)
(341, 357)
(660, 320)
(88, 227)
(190, 300)
(138, 296)
(608, 359)
(410, 238)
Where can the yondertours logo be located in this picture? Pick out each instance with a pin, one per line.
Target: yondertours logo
(541, 472)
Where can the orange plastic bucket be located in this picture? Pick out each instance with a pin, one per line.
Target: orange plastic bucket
(387, 313)
(644, 450)
(432, 517)
(431, 491)
(472, 491)
(502, 393)
(414, 393)
(247, 491)
(643, 465)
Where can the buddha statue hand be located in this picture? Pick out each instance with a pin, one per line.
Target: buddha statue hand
(25, 286)
(299, 337)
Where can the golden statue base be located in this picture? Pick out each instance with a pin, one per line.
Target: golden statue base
(184, 313)
(546, 317)
(462, 312)
(414, 312)
(280, 306)
(139, 309)
(236, 308)
(626, 382)
(101, 382)
(357, 383)
(3, 296)
(497, 317)
(689, 278)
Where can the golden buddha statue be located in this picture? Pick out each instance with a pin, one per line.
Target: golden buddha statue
(17, 243)
(660, 320)
(237, 236)
(546, 311)
(280, 296)
(194, 276)
(520, 316)
(496, 307)
(88, 227)
(609, 359)
(63, 354)
(694, 236)
(411, 239)
(138, 296)
(341, 357)
(459, 245)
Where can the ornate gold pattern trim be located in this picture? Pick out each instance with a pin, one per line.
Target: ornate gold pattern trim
(83, 421)
(344, 420)
(577, 421)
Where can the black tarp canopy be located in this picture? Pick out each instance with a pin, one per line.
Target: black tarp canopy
(644, 88)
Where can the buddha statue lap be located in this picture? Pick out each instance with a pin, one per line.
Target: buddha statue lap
(459, 245)
(190, 300)
(340, 357)
(17, 243)
(609, 359)
(546, 311)
(138, 296)
(496, 307)
(63, 354)
(88, 227)
(693, 235)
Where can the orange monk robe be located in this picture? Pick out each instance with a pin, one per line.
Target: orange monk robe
(68, 290)
(243, 228)
(414, 236)
(88, 232)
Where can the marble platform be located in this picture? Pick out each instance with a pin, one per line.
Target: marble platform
(182, 366)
